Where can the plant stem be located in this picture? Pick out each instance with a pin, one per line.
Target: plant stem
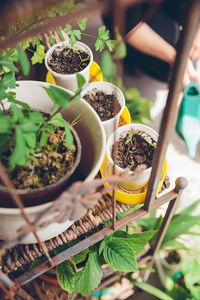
(92, 36)
(3, 108)
(30, 50)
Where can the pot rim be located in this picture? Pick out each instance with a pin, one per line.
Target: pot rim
(67, 75)
(20, 192)
(119, 131)
(98, 84)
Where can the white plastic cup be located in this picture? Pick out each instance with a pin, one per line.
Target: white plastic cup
(69, 81)
(109, 88)
(142, 178)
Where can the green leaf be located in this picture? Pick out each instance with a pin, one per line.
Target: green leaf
(173, 244)
(3, 94)
(107, 65)
(72, 39)
(19, 152)
(68, 29)
(57, 120)
(80, 82)
(38, 55)
(28, 126)
(8, 80)
(80, 257)
(190, 208)
(120, 47)
(52, 41)
(43, 139)
(59, 96)
(151, 290)
(102, 246)
(77, 34)
(68, 136)
(102, 33)
(191, 271)
(6, 62)
(111, 45)
(66, 276)
(82, 23)
(5, 125)
(36, 117)
(60, 35)
(99, 45)
(30, 139)
(17, 114)
(120, 256)
(89, 278)
(24, 62)
(14, 101)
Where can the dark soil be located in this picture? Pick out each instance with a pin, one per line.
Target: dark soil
(173, 258)
(105, 105)
(53, 161)
(133, 150)
(66, 61)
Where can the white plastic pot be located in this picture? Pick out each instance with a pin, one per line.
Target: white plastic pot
(69, 81)
(109, 88)
(93, 143)
(142, 178)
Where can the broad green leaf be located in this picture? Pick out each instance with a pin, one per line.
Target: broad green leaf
(66, 276)
(80, 257)
(17, 114)
(50, 94)
(120, 256)
(107, 65)
(19, 152)
(30, 139)
(120, 46)
(5, 125)
(111, 45)
(8, 80)
(28, 126)
(57, 120)
(102, 246)
(22, 104)
(38, 55)
(191, 271)
(36, 117)
(60, 96)
(99, 45)
(47, 127)
(5, 61)
(151, 290)
(4, 141)
(173, 244)
(68, 136)
(43, 139)
(24, 62)
(3, 94)
(189, 209)
(82, 23)
(80, 82)
(89, 278)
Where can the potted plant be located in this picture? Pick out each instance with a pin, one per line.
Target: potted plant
(36, 97)
(135, 145)
(64, 61)
(108, 101)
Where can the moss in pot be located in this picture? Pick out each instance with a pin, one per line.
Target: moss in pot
(134, 148)
(39, 150)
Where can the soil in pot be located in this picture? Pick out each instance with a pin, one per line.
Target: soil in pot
(106, 105)
(134, 149)
(51, 163)
(67, 61)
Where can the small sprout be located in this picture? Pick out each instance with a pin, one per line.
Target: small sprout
(91, 97)
(85, 59)
(67, 52)
(77, 52)
(130, 136)
(149, 142)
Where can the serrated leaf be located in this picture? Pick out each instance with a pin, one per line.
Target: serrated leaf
(57, 120)
(68, 136)
(30, 139)
(17, 114)
(5, 61)
(101, 32)
(111, 45)
(38, 55)
(66, 276)
(72, 39)
(120, 256)
(8, 80)
(36, 117)
(24, 62)
(68, 29)
(19, 153)
(82, 23)
(89, 278)
(3, 94)
(99, 45)
(80, 257)
(77, 34)
(43, 139)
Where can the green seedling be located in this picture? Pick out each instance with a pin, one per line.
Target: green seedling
(129, 139)
(91, 97)
(67, 52)
(149, 142)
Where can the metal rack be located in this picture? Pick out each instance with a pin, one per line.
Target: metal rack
(13, 288)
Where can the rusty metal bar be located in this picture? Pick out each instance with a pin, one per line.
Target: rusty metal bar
(91, 240)
(181, 184)
(170, 112)
(12, 289)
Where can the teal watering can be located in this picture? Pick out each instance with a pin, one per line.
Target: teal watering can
(188, 122)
